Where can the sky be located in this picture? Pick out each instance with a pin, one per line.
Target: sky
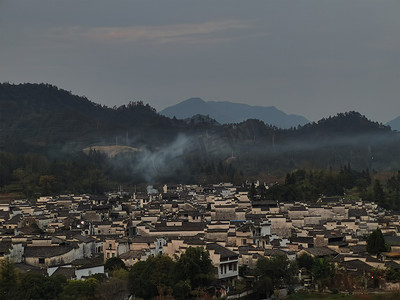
(314, 58)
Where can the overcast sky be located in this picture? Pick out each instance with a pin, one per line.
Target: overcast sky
(309, 57)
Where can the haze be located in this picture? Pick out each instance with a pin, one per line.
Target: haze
(313, 58)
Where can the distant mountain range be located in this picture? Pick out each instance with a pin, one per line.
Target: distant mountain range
(41, 118)
(394, 124)
(228, 112)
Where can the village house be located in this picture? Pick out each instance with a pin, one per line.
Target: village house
(57, 234)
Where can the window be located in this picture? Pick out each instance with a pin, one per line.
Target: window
(243, 241)
(41, 260)
(230, 267)
(234, 267)
(221, 269)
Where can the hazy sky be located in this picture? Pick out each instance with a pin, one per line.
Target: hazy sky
(308, 57)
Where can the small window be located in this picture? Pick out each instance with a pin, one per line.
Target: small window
(230, 267)
(41, 260)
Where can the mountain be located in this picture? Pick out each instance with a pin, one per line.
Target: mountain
(144, 145)
(228, 112)
(394, 124)
(38, 116)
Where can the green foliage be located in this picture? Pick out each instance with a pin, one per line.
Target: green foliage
(274, 272)
(182, 289)
(43, 125)
(305, 261)
(139, 283)
(379, 195)
(154, 276)
(36, 286)
(78, 289)
(376, 242)
(9, 280)
(114, 263)
(392, 275)
(160, 275)
(252, 191)
(14, 285)
(195, 264)
(115, 288)
(323, 271)
(264, 287)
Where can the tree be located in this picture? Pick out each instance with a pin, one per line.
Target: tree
(322, 271)
(139, 283)
(78, 289)
(305, 261)
(278, 270)
(252, 191)
(195, 264)
(9, 280)
(152, 277)
(182, 289)
(264, 287)
(376, 242)
(379, 194)
(37, 286)
(114, 263)
(115, 288)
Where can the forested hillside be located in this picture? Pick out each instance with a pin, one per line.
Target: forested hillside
(44, 129)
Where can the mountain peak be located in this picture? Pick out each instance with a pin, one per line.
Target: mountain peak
(229, 112)
(194, 100)
(394, 124)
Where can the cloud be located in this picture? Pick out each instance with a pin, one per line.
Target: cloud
(208, 32)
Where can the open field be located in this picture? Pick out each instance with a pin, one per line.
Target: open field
(112, 151)
(370, 296)
(6, 198)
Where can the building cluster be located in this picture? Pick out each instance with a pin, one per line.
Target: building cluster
(74, 235)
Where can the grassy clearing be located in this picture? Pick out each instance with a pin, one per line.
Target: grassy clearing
(371, 296)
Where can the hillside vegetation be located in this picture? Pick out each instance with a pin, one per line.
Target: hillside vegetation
(43, 130)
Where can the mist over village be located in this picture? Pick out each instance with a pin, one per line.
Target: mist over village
(199, 150)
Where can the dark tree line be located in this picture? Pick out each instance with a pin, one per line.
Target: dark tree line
(191, 274)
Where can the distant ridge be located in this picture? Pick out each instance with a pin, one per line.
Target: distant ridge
(227, 112)
(394, 124)
(40, 118)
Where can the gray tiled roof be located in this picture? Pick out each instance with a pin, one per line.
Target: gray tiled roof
(222, 251)
(320, 251)
(46, 251)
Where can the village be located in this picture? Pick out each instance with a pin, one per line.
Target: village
(74, 235)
